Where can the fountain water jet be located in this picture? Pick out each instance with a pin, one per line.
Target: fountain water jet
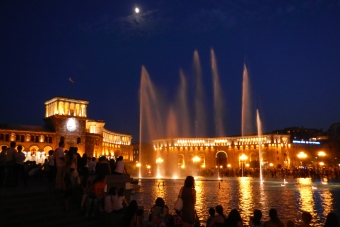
(259, 133)
(218, 97)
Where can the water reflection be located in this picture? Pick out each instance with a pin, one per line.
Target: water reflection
(248, 194)
(246, 197)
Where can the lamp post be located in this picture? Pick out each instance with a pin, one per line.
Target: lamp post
(301, 156)
(243, 157)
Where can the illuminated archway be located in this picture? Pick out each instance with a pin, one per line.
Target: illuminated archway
(47, 149)
(181, 161)
(221, 159)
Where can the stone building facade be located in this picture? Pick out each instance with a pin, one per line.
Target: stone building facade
(66, 120)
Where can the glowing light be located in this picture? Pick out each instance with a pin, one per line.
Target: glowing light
(196, 159)
(148, 166)
(138, 164)
(321, 163)
(159, 176)
(159, 160)
(271, 164)
(137, 10)
(301, 155)
(175, 177)
(243, 157)
(247, 165)
(321, 154)
(182, 166)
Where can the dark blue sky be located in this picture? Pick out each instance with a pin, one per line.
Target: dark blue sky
(291, 48)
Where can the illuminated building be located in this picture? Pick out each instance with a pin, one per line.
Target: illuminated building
(66, 119)
(277, 150)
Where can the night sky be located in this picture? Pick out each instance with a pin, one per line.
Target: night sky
(291, 48)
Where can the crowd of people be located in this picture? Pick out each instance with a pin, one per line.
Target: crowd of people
(314, 173)
(72, 175)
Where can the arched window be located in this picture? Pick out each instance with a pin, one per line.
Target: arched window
(22, 138)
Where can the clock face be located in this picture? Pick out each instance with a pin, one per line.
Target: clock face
(71, 125)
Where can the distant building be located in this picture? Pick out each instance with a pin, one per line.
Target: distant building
(288, 148)
(66, 120)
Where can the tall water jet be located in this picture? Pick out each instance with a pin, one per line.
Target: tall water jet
(246, 104)
(259, 133)
(182, 108)
(200, 129)
(149, 111)
(218, 97)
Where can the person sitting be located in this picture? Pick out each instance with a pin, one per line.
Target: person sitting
(332, 220)
(255, 221)
(108, 201)
(130, 215)
(234, 219)
(120, 167)
(157, 214)
(274, 221)
(211, 215)
(119, 202)
(306, 219)
(220, 220)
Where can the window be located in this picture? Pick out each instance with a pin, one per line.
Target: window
(22, 138)
(2, 137)
(78, 140)
(7, 137)
(17, 138)
(32, 138)
(36, 138)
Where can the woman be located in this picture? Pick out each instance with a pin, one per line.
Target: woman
(219, 220)
(157, 213)
(109, 199)
(119, 201)
(189, 201)
(234, 219)
(256, 220)
(274, 221)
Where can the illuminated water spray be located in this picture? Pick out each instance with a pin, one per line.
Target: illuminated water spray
(259, 133)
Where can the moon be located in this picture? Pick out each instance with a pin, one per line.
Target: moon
(137, 10)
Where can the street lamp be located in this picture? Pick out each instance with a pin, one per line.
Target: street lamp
(301, 156)
(243, 157)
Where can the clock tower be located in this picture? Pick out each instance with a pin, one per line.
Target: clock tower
(67, 117)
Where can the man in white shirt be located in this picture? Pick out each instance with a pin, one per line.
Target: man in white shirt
(61, 166)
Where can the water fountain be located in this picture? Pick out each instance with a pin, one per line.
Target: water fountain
(178, 117)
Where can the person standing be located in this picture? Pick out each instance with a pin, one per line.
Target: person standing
(10, 161)
(189, 201)
(2, 165)
(51, 164)
(19, 166)
(61, 166)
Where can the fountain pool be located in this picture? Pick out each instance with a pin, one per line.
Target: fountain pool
(247, 194)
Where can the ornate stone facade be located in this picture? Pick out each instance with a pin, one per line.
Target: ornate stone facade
(66, 119)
